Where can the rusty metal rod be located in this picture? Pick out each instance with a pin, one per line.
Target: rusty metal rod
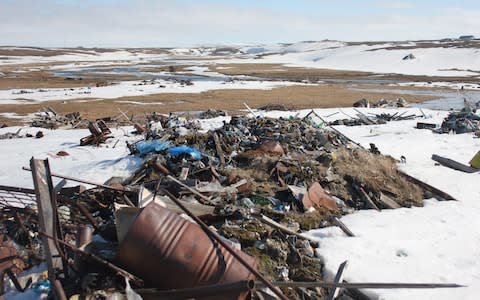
(201, 291)
(59, 291)
(365, 285)
(16, 189)
(97, 259)
(83, 210)
(215, 236)
(82, 181)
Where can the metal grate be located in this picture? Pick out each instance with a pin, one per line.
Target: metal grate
(17, 197)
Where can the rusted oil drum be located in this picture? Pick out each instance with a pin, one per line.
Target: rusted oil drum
(169, 252)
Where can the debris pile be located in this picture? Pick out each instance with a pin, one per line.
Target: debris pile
(383, 103)
(460, 122)
(386, 103)
(212, 214)
(99, 133)
(18, 135)
(50, 119)
(372, 119)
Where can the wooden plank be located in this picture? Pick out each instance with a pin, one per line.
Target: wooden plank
(365, 118)
(205, 199)
(47, 215)
(280, 227)
(52, 110)
(438, 194)
(343, 227)
(249, 109)
(388, 202)
(452, 164)
(145, 197)
(368, 200)
(338, 279)
(219, 149)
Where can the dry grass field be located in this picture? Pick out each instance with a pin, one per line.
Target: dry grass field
(309, 96)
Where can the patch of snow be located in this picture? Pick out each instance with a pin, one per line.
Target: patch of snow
(441, 84)
(437, 243)
(131, 88)
(372, 58)
(96, 164)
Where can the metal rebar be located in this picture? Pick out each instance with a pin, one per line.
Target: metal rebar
(208, 231)
(82, 181)
(97, 259)
(365, 285)
(201, 291)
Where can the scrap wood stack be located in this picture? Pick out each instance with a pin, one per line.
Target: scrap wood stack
(255, 184)
(50, 119)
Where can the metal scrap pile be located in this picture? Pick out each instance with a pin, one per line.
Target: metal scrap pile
(210, 215)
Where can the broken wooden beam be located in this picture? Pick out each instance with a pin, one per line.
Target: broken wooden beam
(48, 219)
(369, 202)
(343, 227)
(452, 164)
(438, 194)
(388, 202)
(338, 279)
(219, 149)
(280, 227)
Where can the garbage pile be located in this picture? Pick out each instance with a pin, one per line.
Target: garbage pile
(462, 121)
(209, 215)
(383, 103)
(50, 119)
(372, 119)
(18, 135)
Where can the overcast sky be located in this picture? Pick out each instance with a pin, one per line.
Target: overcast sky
(150, 23)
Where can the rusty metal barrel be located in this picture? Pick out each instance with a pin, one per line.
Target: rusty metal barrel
(169, 252)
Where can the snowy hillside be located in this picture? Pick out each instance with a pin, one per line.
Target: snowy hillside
(436, 58)
(431, 58)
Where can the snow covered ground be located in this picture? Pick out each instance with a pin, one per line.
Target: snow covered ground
(439, 242)
(132, 88)
(96, 164)
(432, 58)
(441, 84)
(83, 58)
(378, 58)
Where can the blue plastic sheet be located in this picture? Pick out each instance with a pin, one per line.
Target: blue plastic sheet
(145, 147)
(41, 287)
(194, 153)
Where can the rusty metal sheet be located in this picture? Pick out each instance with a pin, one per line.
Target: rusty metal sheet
(317, 197)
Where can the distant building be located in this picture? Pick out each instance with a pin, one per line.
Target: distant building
(466, 37)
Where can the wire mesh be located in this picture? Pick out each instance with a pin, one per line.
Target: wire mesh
(17, 197)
